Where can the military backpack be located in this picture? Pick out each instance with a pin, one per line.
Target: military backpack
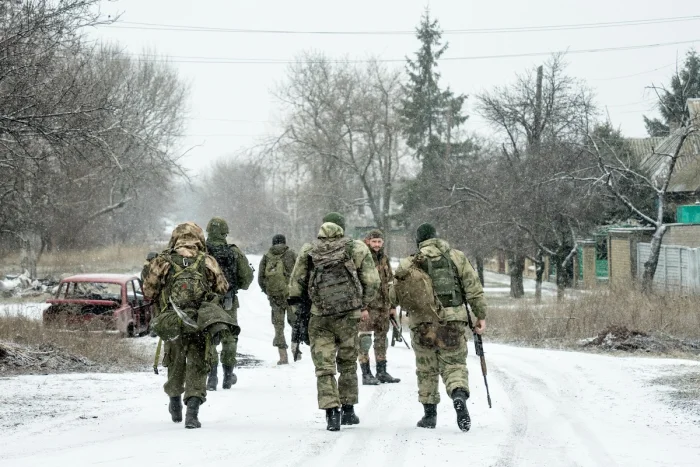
(334, 286)
(446, 282)
(275, 278)
(228, 262)
(186, 284)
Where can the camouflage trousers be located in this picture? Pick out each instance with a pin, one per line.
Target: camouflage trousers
(441, 351)
(187, 363)
(279, 309)
(334, 346)
(229, 343)
(378, 323)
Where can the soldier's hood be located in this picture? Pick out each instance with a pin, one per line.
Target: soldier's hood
(434, 247)
(329, 230)
(187, 237)
(278, 249)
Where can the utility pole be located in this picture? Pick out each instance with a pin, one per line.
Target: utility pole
(537, 124)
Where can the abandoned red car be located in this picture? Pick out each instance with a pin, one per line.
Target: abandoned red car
(106, 301)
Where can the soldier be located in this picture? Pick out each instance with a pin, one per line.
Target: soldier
(379, 311)
(439, 334)
(239, 275)
(185, 356)
(147, 265)
(341, 280)
(273, 277)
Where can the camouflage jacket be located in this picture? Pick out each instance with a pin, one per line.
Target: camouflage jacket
(386, 278)
(361, 256)
(471, 286)
(187, 240)
(289, 257)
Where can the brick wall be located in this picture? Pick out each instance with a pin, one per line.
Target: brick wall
(589, 277)
(620, 261)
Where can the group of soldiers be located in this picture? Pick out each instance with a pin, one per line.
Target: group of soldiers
(337, 294)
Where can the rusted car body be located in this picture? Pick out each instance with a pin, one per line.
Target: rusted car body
(101, 301)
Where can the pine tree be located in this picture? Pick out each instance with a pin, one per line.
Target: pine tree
(685, 84)
(429, 114)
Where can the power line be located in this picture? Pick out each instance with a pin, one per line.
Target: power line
(273, 61)
(634, 74)
(518, 29)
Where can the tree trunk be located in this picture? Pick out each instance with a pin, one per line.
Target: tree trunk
(480, 269)
(516, 264)
(651, 263)
(539, 273)
(30, 246)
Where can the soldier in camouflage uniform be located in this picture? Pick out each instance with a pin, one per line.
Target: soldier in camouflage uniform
(440, 345)
(273, 277)
(379, 311)
(334, 337)
(185, 357)
(147, 265)
(239, 274)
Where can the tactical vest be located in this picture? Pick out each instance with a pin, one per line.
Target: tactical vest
(334, 286)
(446, 282)
(228, 262)
(275, 277)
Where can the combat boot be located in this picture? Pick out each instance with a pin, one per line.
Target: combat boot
(213, 379)
(191, 420)
(383, 376)
(175, 409)
(284, 359)
(295, 346)
(333, 419)
(459, 400)
(367, 377)
(348, 416)
(230, 377)
(429, 420)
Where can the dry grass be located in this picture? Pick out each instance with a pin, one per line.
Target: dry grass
(51, 349)
(593, 312)
(116, 258)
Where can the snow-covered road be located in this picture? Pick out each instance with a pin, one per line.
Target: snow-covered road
(551, 408)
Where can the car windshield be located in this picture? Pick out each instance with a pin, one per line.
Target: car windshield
(94, 291)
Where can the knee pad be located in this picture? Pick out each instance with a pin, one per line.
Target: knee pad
(365, 342)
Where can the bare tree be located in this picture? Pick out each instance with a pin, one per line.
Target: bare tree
(342, 133)
(616, 171)
(541, 117)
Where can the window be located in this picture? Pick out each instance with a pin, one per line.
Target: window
(130, 292)
(601, 248)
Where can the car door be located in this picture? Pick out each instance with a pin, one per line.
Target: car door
(139, 305)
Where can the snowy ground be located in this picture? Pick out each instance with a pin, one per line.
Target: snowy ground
(551, 408)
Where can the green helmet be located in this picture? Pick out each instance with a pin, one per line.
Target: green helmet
(217, 226)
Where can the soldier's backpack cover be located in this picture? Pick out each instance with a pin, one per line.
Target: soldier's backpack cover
(415, 293)
(334, 286)
(275, 279)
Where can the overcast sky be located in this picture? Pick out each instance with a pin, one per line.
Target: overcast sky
(231, 106)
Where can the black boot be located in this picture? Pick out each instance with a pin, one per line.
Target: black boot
(175, 409)
(230, 377)
(348, 416)
(213, 379)
(367, 377)
(191, 420)
(459, 400)
(430, 418)
(383, 376)
(333, 419)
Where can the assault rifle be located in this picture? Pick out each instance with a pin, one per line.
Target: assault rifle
(300, 330)
(397, 331)
(479, 348)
